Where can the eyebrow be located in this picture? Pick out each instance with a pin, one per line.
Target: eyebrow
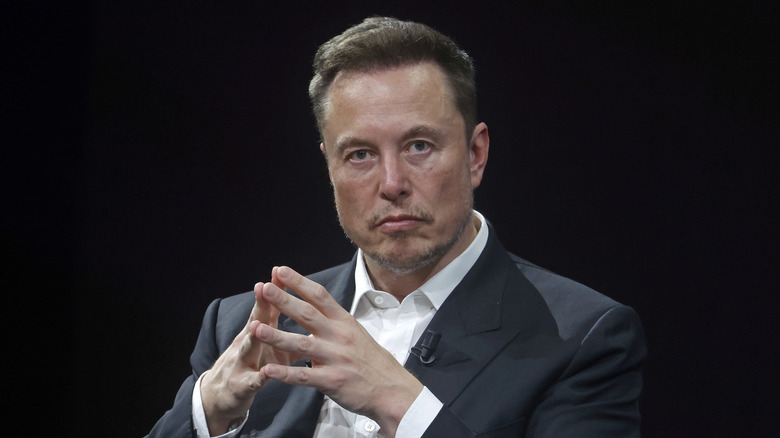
(424, 131)
(349, 142)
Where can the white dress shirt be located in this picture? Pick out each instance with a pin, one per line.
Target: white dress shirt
(396, 327)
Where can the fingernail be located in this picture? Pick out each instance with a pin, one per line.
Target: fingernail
(271, 291)
(270, 370)
(260, 331)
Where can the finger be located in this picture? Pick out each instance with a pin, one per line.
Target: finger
(305, 314)
(249, 348)
(257, 308)
(311, 292)
(293, 375)
(297, 346)
(275, 278)
(262, 311)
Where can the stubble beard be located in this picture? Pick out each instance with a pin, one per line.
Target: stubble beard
(404, 265)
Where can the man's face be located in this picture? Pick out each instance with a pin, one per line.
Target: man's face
(402, 169)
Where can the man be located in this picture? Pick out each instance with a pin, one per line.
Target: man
(432, 329)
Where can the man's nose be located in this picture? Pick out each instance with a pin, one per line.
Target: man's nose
(395, 184)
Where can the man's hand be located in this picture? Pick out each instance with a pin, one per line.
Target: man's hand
(228, 388)
(347, 364)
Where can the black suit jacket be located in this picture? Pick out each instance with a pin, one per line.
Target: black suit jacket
(523, 352)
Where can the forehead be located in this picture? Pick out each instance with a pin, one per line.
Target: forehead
(417, 88)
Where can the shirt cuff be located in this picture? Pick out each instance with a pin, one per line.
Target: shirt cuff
(199, 416)
(419, 416)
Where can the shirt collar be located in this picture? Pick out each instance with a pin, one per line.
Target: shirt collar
(438, 287)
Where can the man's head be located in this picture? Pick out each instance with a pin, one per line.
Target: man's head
(382, 42)
(402, 161)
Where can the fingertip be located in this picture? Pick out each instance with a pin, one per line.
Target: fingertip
(259, 300)
(261, 333)
(270, 370)
(284, 272)
(270, 290)
(275, 277)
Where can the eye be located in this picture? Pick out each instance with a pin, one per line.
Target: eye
(419, 147)
(358, 155)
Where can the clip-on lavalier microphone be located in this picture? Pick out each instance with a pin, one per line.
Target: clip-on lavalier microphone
(426, 352)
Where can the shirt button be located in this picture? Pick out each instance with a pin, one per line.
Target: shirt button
(370, 426)
(379, 300)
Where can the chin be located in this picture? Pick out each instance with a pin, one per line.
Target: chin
(407, 262)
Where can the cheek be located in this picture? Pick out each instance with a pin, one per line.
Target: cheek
(450, 184)
(349, 195)
(350, 184)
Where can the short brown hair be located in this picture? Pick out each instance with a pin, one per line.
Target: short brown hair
(384, 42)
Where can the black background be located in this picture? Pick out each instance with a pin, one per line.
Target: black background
(159, 155)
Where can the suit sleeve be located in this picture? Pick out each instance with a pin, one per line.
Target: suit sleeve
(177, 421)
(596, 396)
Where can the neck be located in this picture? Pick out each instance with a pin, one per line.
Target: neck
(401, 285)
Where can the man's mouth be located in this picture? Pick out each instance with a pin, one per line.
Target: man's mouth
(402, 222)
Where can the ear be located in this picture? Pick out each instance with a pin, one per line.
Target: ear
(325, 154)
(478, 150)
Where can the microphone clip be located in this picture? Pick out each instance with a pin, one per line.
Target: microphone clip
(426, 352)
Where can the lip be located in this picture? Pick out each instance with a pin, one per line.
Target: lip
(398, 223)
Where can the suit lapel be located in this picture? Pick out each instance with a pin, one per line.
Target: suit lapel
(488, 309)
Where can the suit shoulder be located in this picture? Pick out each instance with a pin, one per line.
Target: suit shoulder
(236, 304)
(225, 317)
(555, 287)
(243, 301)
(573, 305)
(234, 310)
(326, 275)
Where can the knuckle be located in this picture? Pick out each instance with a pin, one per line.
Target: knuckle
(344, 358)
(282, 298)
(348, 338)
(244, 344)
(245, 385)
(239, 339)
(304, 344)
(253, 384)
(308, 312)
(319, 293)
